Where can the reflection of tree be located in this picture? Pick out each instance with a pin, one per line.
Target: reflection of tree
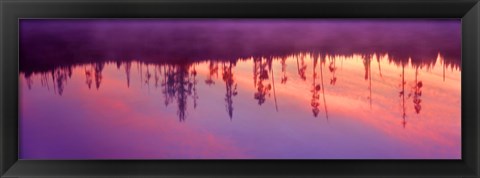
(98, 67)
(194, 83)
(128, 67)
(302, 68)
(332, 68)
(44, 80)
(148, 75)
(231, 87)
(213, 70)
(156, 75)
(368, 75)
(379, 67)
(168, 84)
(119, 64)
(89, 77)
(402, 95)
(315, 91)
(263, 90)
(323, 89)
(182, 89)
(178, 86)
(59, 77)
(417, 93)
(273, 82)
(284, 78)
(29, 81)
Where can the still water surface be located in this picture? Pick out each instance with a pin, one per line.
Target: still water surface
(296, 105)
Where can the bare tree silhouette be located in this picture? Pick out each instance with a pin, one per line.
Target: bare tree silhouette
(70, 71)
(148, 75)
(302, 67)
(284, 78)
(231, 87)
(323, 88)
(273, 82)
(128, 67)
(368, 75)
(178, 86)
(213, 70)
(262, 89)
(379, 67)
(98, 67)
(402, 95)
(52, 73)
(29, 81)
(332, 68)
(182, 87)
(59, 76)
(44, 80)
(156, 76)
(417, 93)
(194, 83)
(168, 84)
(315, 91)
(89, 77)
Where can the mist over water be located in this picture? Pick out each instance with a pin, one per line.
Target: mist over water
(240, 89)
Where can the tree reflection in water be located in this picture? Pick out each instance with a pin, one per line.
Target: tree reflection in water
(178, 86)
(323, 88)
(178, 81)
(284, 71)
(315, 91)
(402, 95)
(230, 86)
(332, 68)
(88, 76)
(213, 70)
(260, 76)
(417, 92)
(301, 67)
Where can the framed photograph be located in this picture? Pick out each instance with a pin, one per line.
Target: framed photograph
(223, 88)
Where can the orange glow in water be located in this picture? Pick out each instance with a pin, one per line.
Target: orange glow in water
(240, 89)
(329, 100)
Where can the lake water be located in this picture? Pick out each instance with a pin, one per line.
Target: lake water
(240, 89)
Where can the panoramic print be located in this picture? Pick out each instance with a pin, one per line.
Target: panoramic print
(239, 89)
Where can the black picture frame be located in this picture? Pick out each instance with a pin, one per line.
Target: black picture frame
(467, 10)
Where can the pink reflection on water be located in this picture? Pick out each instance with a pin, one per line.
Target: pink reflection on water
(298, 106)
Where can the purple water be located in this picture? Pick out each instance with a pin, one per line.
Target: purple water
(240, 89)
